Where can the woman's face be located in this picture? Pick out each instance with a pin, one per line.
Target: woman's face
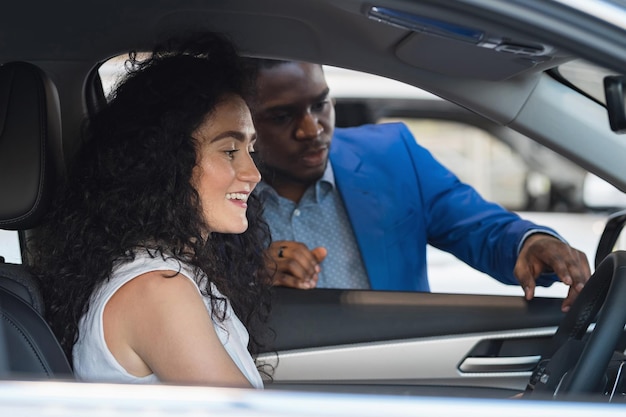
(225, 174)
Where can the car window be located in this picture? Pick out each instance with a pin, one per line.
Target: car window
(501, 174)
(504, 166)
(111, 71)
(477, 158)
(10, 246)
(585, 76)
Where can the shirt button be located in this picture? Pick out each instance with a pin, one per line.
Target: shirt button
(296, 212)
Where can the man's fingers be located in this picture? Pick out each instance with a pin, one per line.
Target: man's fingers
(319, 253)
(298, 267)
(562, 271)
(581, 272)
(542, 253)
(529, 290)
(525, 274)
(286, 280)
(572, 270)
(527, 282)
(294, 265)
(580, 276)
(569, 300)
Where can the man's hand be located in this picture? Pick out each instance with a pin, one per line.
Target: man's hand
(292, 264)
(545, 253)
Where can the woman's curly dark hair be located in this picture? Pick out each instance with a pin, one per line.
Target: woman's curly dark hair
(130, 187)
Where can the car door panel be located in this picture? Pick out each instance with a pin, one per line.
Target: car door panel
(404, 339)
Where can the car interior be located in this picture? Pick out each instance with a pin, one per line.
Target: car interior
(334, 340)
(30, 149)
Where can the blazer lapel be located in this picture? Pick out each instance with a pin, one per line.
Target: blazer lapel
(358, 191)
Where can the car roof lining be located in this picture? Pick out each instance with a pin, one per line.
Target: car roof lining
(304, 42)
(92, 33)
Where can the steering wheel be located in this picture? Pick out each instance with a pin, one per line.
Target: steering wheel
(574, 365)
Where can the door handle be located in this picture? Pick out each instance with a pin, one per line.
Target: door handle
(499, 364)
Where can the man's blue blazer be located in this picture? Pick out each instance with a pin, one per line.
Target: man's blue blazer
(399, 198)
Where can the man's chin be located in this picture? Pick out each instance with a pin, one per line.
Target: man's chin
(310, 175)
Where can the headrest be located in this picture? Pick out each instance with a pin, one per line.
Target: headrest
(30, 144)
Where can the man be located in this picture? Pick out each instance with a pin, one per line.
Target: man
(356, 207)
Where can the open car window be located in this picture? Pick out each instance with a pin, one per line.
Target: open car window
(586, 77)
(503, 165)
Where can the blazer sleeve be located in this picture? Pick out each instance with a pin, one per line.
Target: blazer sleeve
(481, 233)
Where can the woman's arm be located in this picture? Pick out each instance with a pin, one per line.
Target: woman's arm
(155, 324)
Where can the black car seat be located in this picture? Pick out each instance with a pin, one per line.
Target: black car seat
(30, 157)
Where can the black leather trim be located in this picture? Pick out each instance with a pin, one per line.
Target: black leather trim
(29, 140)
(16, 279)
(30, 348)
(327, 317)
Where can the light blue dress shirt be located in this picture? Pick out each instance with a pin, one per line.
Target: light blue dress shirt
(319, 219)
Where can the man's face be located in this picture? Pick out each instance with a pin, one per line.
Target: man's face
(294, 119)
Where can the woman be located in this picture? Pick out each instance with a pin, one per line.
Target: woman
(157, 226)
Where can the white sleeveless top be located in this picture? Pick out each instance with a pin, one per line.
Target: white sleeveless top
(94, 362)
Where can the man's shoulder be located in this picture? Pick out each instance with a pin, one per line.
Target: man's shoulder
(377, 138)
(382, 129)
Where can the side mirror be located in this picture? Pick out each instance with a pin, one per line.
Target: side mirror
(610, 236)
(615, 93)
